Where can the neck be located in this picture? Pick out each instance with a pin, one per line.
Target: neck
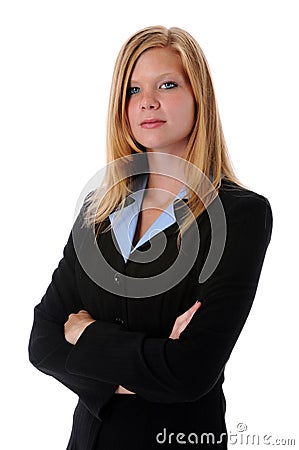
(165, 172)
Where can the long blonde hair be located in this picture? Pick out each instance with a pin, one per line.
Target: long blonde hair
(206, 149)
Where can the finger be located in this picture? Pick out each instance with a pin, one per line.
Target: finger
(196, 305)
(193, 309)
(186, 315)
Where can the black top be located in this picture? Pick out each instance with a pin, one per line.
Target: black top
(129, 343)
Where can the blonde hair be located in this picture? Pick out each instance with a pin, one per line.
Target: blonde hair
(206, 148)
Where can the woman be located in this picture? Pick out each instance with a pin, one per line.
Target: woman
(162, 265)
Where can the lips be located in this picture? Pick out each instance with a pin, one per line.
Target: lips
(152, 123)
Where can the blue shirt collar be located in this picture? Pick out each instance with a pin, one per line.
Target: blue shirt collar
(124, 224)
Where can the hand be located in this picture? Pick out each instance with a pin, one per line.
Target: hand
(179, 326)
(122, 390)
(183, 320)
(76, 324)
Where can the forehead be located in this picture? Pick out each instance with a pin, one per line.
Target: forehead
(155, 61)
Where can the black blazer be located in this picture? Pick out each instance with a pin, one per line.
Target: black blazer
(129, 343)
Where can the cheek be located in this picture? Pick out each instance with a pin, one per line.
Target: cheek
(192, 109)
(131, 114)
(186, 113)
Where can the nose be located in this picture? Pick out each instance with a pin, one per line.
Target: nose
(149, 101)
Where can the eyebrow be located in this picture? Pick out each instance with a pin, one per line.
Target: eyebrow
(164, 75)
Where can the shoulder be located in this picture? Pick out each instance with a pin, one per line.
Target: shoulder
(245, 206)
(234, 196)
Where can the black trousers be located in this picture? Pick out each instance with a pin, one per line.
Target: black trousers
(132, 423)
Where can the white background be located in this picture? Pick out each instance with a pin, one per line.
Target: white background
(57, 59)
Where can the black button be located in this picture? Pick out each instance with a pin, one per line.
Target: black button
(117, 278)
(119, 320)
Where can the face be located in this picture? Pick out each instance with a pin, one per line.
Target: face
(160, 106)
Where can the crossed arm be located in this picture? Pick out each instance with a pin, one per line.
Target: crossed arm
(107, 356)
(77, 323)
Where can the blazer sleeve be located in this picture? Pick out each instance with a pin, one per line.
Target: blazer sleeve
(185, 369)
(48, 349)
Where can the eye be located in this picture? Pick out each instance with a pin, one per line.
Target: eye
(168, 85)
(133, 90)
